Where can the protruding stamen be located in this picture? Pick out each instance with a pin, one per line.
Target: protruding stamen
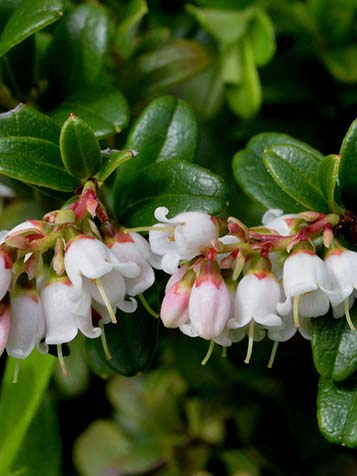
(209, 353)
(224, 352)
(106, 301)
(296, 311)
(15, 377)
(147, 306)
(250, 342)
(273, 354)
(348, 315)
(61, 360)
(103, 338)
(167, 229)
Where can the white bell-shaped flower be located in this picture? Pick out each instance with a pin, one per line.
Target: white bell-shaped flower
(5, 273)
(5, 321)
(288, 329)
(67, 309)
(174, 308)
(27, 324)
(275, 219)
(341, 266)
(132, 247)
(182, 237)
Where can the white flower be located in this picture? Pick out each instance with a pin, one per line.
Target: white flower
(287, 330)
(210, 303)
(5, 273)
(256, 299)
(341, 265)
(27, 325)
(132, 247)
(275, 220)
(5, 321)
(66, 309)
(305, 282)
(185, 236)
(174, 307)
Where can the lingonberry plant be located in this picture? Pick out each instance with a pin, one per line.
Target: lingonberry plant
(126, 246)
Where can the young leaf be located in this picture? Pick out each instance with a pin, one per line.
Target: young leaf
(29, 17)
(295, 169)
(112, 161)
(26, 395)
(263, 38)
(337, 411)
(348, 167)
(26, 122)
(78, 50)
(252, 175)
(328, 173)
(178, 185)
(80, 150)
(36, 162)
(103, 108)
(334, 347)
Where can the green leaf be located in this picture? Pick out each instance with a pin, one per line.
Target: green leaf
(348, 166)
(227, 26)
(295, 169)
(245, 99)
(252, 175)
(30, 16)
(80, 150)
(132, 343)
(263, 38)
(19, 403)
(112, 161)
(178, 185)
(78, 50)
(337, 411)
(104, 109)
(26, 122)
(342, 63)
(40, 451)
(36, 162)
(334, 347)
(131, 14)
(165, 130)
(232, 72)
(329, 168)
(19, 211)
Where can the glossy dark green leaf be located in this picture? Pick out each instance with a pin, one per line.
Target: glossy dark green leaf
(104, 109)
(80, 149)
(79, 48)
(328, 173)
(348, 167)
(35, 161)
(334, 347)
(29, 17)
(337, 411)
(245, 99)
(263, 38)
(124, 39)
(166, 129)
(178, 185)
(27, 122)
(26, 395)
(132, 344)
(252, 175)
(296, 170)
(40, 451)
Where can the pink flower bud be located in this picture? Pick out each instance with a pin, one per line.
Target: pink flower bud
(5, 320)
(174, 307)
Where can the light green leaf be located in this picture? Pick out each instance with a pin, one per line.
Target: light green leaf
(328, 173)
(263, 38)
(29, 17)
(342, 63)
(19, 403)
(103, 108)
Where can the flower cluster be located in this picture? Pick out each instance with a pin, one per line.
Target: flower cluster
(67, 273)
(268, 280)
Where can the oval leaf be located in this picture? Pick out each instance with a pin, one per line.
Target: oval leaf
(295, 169)
(337, 411)
(178, 185)
(328, 173)
(348, 167)
(334, 347)
(36, 162)
(29, 17)
(79, 148)
(104, 109)
(263, 38)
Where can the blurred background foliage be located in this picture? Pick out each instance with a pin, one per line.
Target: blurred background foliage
(245, 67)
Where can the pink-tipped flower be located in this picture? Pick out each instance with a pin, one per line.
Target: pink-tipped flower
(174, 307)
(132, 247)
(66, 310)
(341, 266)
(27, 324)
(256, 298)
(182, 237)
(277, 221)
(5, 320)
(210, 302)
(5, 273)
